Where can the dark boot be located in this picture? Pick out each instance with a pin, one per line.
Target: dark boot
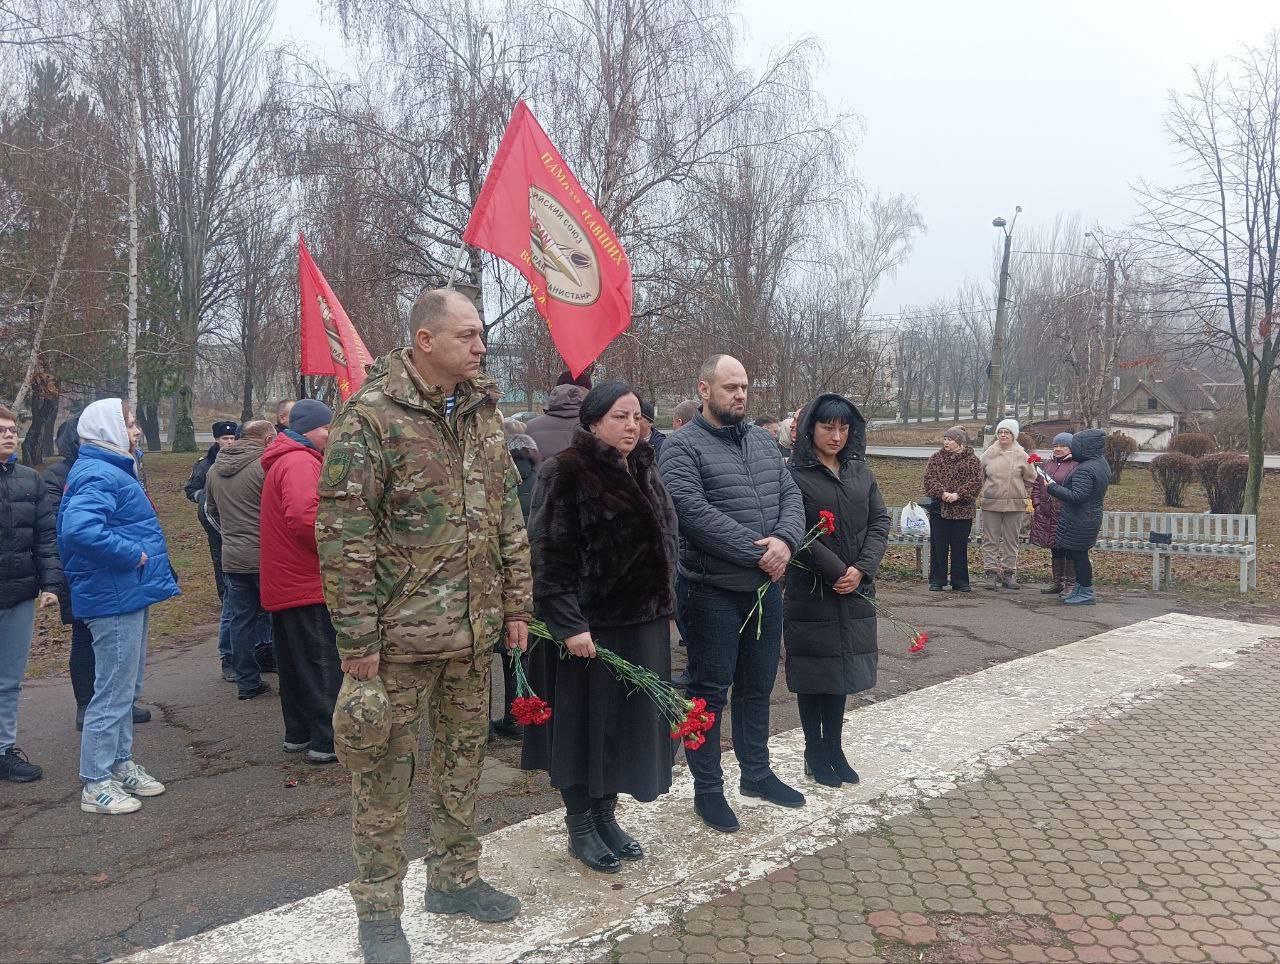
(623, 845)
(1055, 587)
(839, 764)
(1068, 578)
(817, 765)
(715, 811)
(586, 845)
(383, 942)
(141, 714)
(773, 790)
(479, 900)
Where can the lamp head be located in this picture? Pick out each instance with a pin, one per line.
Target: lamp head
(998, 222)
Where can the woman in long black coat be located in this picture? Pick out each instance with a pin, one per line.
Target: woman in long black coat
(1081, 520)
(603, 534)
(829, 627)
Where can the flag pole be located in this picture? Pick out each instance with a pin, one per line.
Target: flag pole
(457, 264)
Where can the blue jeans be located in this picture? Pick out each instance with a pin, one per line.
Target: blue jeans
(224, 633)
(120, 656)
(724, 653)
(250, 626)
(16, 624)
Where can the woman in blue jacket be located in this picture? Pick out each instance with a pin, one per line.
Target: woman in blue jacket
(116, 565)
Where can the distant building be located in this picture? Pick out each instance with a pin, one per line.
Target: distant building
(1154, 402)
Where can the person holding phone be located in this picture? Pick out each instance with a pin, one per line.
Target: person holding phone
(1081, 496)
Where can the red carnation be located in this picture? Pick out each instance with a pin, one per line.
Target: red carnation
(1034, 459)
(530, 710)
(919, 641)
(694, 740)
(827, 521)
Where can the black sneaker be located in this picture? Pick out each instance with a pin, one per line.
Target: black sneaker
(479, 900)
(715, 812)
(936, 587)
(262, 689)
(383, 942)
(773, 790)
(141, 714)
(16, 768)
(504, 727)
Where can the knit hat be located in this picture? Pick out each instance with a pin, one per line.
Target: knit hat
(361, 723)
(957, 434)
(521, 442)
(1011, 424)
(1062, 438)
(646, 409)
(309, 414)
(225, 428)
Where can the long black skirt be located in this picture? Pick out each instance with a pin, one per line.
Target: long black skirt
(601, 736)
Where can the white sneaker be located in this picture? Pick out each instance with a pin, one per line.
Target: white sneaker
(136, 780)
(107, 796)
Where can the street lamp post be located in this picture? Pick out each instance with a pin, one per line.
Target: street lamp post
(1109, 333)
(995, 377)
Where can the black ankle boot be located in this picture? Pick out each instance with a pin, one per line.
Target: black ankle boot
(817, 765)
(836, 758)
(586, 845)
(715, 811)
(623, 845)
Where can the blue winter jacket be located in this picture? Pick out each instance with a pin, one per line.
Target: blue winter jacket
(105, 525)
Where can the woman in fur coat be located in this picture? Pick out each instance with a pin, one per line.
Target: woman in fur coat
(603, 534)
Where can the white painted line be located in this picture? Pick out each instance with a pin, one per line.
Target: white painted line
(908, 748)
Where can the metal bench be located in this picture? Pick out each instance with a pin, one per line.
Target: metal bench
(1192, 535)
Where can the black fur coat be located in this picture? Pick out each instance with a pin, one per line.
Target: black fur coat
(603, 535)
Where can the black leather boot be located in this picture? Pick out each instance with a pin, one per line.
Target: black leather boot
(840, 765)
(586, 845)
(623, 845)
(817, 765)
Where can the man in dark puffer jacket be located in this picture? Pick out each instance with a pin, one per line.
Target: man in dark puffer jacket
(28, 569)
(741, 517)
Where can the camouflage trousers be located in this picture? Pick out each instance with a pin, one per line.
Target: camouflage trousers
(454, 695)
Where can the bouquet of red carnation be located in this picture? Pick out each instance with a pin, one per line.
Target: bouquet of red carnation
(1034, 459)
(825, 526)
(688, 719)
(528, 708)
(918, 637)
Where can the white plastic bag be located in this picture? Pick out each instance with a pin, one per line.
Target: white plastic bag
(914, 520)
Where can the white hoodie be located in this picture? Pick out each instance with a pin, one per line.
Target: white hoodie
(102, 423)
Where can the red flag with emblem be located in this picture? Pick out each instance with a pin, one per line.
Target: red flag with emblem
(330, 343)
(533, 213)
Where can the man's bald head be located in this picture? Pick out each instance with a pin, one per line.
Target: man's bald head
(722, 386)
(434, 308)
(259, 430)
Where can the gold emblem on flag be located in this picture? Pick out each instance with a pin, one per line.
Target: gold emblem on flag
(562, 251)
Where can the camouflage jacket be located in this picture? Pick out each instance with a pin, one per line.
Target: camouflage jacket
(419, 529)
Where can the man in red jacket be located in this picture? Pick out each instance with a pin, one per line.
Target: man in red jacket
(306, 646)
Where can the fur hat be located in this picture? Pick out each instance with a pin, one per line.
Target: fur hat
(957, 434)
(225, 428)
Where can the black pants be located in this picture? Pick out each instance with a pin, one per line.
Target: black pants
(821, 719)
(508, 682)
(731, 648)
(949, 536)
(82, 662)
(310, 674)
(1084, 568)
(215, 552)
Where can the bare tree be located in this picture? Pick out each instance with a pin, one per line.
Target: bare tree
(1214, 240)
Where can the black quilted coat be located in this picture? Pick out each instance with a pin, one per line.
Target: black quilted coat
(1082, 494)
(730, 488)
(28, 537)
(830, 637)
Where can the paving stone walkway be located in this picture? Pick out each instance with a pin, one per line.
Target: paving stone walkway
(1150, 836)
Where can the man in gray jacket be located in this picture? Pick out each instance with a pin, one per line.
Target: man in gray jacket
(741, 517)
(233, 499)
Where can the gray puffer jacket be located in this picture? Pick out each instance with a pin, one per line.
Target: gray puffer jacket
(730, 488)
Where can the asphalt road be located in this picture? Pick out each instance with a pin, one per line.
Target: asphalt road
(233, 835)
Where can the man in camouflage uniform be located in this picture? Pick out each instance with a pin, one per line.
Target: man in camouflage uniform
(425, 563)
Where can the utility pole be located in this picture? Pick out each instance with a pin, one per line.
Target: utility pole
(995, 376)
(1110, 334)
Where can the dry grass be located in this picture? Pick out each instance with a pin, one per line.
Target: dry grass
(926, 433)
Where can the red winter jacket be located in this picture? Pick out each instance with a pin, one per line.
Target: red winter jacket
(290, 573)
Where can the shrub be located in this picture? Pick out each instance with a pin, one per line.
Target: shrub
(1030, 441)
(1173, 472)
(1233, 473)
(1195, 444)
(1209, 469)
(1118, 449)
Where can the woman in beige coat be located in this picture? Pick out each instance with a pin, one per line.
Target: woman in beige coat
(1006, 482)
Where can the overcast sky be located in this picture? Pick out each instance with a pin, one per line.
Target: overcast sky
(973, 106)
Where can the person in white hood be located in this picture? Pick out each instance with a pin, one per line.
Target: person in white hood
(116, 565)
